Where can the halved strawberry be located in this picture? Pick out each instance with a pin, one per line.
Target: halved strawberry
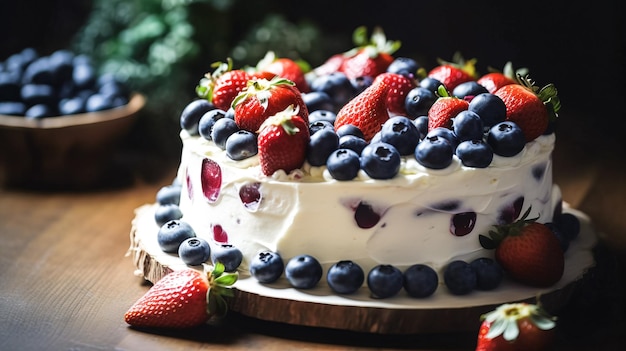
(398, 87)
(286, 68)
(444, 109)
(367, 111)
(282, 141)
(516, 326)
(223, 85)
(529, 107)
(371, 57)
(455, 72)
(263, 98)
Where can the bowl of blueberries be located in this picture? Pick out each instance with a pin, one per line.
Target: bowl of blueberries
(60, 119)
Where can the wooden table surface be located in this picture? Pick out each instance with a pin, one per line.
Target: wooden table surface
(65, 281)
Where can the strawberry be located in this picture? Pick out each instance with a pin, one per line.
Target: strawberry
(454, 73)
(528, 251)
(398, 87)
(182, 299)
(495, 80)
(370, 57)
(517, 327)
(286, 68)
(367, 111)
(282, 141)
(263, 98)
(223, 85)
(331, 65)
(444, 109)
(526, 105)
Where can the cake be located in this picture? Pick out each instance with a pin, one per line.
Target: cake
(433, 205)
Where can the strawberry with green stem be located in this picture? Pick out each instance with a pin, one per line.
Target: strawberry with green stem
(455, 72)
(495, 79)
(444, 109)
(398, 88)
(223, 85)
(372, 55)
(183, 299)
(286, 68)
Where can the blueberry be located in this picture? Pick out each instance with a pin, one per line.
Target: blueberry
(98, 102)
(489, 274)
(418, 101)
(322, 115)
(474, 153)
(167, 212)
(222, 129)
(72, 105)
(468, 89)
(172, 234)
(229, 255)
(321, 145)
(380, 160)
(420, 280)
(431, 84)
(361, 83)
(460, 277)
(40, 111)
(207, 121)
(569, 224)
(191, 114)
(267, 266)
(318, 100)
(337, 86)
(194, 251)
(421, 122)
(349, 129)
(318, 125)
(489, 107)
(384, 281)
(564, 241)
(343, 164)
(11, 108)
(434, 152)
(506, 139)
(405, 66)
(84, 75)
(353, 143)
(445, 133)
(169, 194)
(303, 271)
(400, 132)
(33, 94)
(467, 125)
(345, 277)
(241, 145)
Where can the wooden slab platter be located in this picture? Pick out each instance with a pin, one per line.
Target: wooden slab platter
(319, 307)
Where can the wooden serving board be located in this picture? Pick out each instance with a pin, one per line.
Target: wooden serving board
(319, 307)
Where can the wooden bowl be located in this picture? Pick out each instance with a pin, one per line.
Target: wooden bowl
(64, 152)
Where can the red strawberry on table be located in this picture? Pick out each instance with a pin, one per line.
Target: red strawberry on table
(370, 57)
(367, 111)
(398, 87)
(282, 142)
(183, 299)
(454, 73)
(529, 107)
(444, 109)
(263, 98)
(223, 85)
(286, 68)
(516, 327)
(528, 251)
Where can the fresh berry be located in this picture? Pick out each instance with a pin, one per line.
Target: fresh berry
(516, 326)
(318, 100)
(286, 68)
(372, 56)
(191, 114)
(489, 274)
(169, 194)
(167, 212)
(267, 266)
(337, 86)
(451, 74)
(194, 251)
(529, 107)
(349, 129)
(460, 277)
(316, 126)
(321, 145)
(223, 85)
(172, 234)
(528, 251)
(367, 111)
(434, 152)
(331, 65)
(352, 142)
(569, 224)
(380, 160)
(418, 101)
(564, 242)
(241, 145)
(345, 277)
(361, 83)
(489, 107)
(468, 90)
(467, 125)
(398, 88)
(228, 255)
(405, 66)
(222, 130)
(303, 271)
(384, 281)
(474, 153)
(420, 281)
(207, 121)
(282, 142)
(264, 98)
(400, 132)
(322, 115)
(444, 109)
(496, 80)
(343, 164)
(431, 84)
(506, 139)
(421, 122)
(444, 133)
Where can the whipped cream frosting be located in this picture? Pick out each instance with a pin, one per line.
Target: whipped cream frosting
(420, 216)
